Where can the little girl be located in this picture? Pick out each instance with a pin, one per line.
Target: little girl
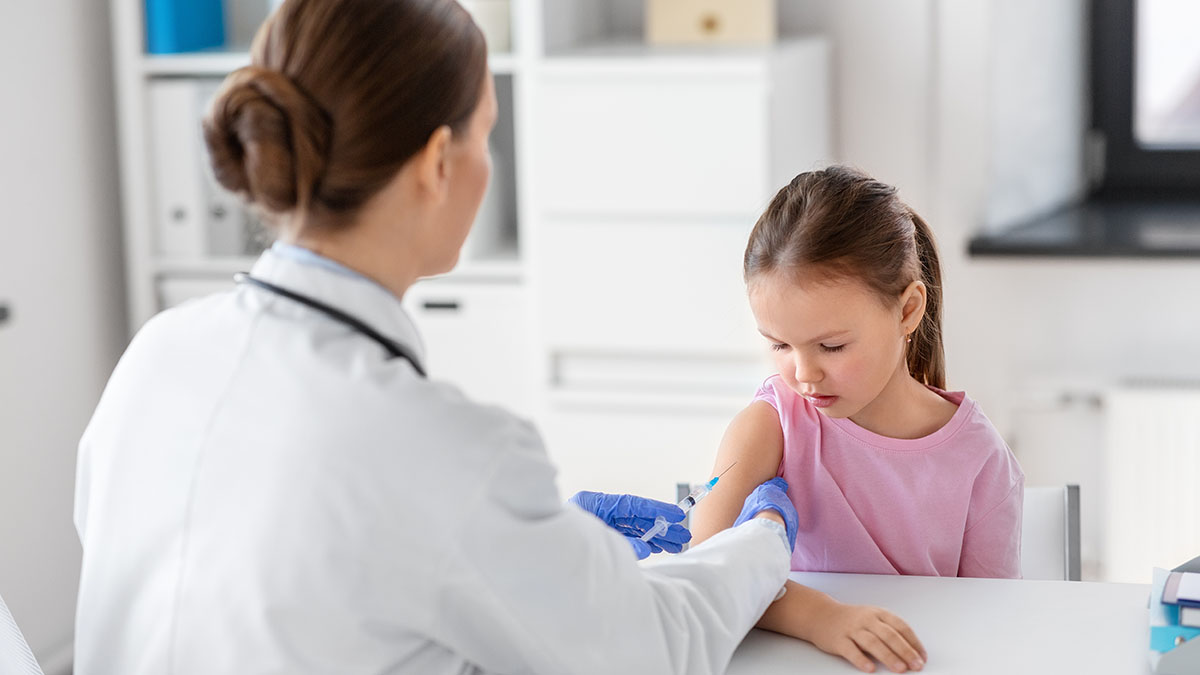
(889, 473)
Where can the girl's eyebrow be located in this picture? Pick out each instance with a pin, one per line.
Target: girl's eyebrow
(822, 338)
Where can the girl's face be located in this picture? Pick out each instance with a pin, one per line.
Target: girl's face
(834, 340)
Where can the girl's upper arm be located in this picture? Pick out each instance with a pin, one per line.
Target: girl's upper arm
(754, 440)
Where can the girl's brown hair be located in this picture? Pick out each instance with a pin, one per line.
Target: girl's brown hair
(338, 96)
(850, 225)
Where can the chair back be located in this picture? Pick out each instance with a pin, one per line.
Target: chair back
(1050, 533)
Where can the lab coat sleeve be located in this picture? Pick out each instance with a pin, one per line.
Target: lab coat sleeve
(547, 588)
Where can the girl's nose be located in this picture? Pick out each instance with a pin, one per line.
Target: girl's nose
(806, 369)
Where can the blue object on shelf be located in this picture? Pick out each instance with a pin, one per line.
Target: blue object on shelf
(174, 26)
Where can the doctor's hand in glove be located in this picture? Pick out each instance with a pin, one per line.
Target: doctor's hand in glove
(632, 516)
(772, 496)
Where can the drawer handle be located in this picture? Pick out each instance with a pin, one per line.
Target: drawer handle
(4, 313)
(440, 305)
(710, 24)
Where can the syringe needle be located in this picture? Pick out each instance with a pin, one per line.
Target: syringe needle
(726, 469)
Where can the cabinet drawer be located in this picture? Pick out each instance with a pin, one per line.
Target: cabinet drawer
(643, 452)
(671, 288)
(477, 337)
(635, 144)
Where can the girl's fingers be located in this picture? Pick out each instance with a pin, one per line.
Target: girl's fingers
(908, 633)
(850, 651)
(899, 645)
(871, 644)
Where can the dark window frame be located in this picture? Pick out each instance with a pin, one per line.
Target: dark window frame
(1130, 170)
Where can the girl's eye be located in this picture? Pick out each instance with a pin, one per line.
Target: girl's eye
(778, 346)
(832, 348)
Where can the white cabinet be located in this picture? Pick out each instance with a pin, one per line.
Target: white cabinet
(649, 169)
(635, 444)
(478, 337)
(656, 143)
(669, 287)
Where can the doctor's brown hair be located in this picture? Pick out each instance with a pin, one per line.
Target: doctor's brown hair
(845, 223)
(338, 96)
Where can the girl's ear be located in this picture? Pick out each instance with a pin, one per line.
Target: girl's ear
(912, 306)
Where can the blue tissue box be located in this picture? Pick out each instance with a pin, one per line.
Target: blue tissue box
(174, 26)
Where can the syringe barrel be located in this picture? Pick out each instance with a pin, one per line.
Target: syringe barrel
(694, 496)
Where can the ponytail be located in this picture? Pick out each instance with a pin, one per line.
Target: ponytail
(926, 355)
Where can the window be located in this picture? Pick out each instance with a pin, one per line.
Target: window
(1146, 106)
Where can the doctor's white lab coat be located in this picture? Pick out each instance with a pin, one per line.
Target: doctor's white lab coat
(261, 491)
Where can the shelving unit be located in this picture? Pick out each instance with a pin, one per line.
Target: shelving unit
(600, 291)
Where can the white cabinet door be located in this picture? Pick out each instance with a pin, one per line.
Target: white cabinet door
(646, 287)
(648, 144)
(643, 450)
(477, 336)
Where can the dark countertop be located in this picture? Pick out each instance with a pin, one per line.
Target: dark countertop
(1102, 229)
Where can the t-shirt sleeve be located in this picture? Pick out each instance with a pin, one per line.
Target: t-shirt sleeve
(992, 541)
(767, 392)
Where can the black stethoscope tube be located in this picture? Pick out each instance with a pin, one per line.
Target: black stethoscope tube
(394, 350)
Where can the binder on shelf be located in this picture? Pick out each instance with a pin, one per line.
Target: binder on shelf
(194, 217)
(1174, 648)
(174, 26)
(178, 185)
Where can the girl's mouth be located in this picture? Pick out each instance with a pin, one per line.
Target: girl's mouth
(821, 401)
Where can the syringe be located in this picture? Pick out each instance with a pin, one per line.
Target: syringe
(660, 524)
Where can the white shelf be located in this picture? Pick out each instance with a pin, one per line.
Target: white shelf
(504, 266)
(631, 53)
(501, 267)
(227, 266)
(214, 63)
(219, 63)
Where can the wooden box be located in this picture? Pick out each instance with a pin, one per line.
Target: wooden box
(674, 22)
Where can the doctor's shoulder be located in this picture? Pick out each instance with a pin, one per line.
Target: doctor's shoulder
(437, 418)
(170, 331)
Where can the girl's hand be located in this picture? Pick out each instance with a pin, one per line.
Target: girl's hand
(858, 632)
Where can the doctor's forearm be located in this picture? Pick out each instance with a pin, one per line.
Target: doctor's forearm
(798, 612)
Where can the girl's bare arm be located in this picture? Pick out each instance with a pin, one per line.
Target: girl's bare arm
(754, 440)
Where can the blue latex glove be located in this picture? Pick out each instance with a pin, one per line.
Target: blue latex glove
(632, 516)
(772, 495)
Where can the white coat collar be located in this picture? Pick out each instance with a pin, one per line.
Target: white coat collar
(355, 295)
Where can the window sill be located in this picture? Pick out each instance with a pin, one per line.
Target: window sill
(1126, 228)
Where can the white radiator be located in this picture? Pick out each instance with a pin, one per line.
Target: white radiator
(1152, 457)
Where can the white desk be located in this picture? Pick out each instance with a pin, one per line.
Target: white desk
(979, 626)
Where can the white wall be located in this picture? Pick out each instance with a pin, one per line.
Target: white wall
(60, 273)
(883, 54)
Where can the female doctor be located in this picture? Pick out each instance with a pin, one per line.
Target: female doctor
(271, 484)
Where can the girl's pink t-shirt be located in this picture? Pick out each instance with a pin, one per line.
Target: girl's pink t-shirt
(948, 504)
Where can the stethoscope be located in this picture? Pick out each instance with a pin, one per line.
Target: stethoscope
(394, 349)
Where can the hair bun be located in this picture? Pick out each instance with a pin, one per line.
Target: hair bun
(267, 139)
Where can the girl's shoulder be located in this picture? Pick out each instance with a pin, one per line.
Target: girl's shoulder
(977, 433)
(792, 408)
